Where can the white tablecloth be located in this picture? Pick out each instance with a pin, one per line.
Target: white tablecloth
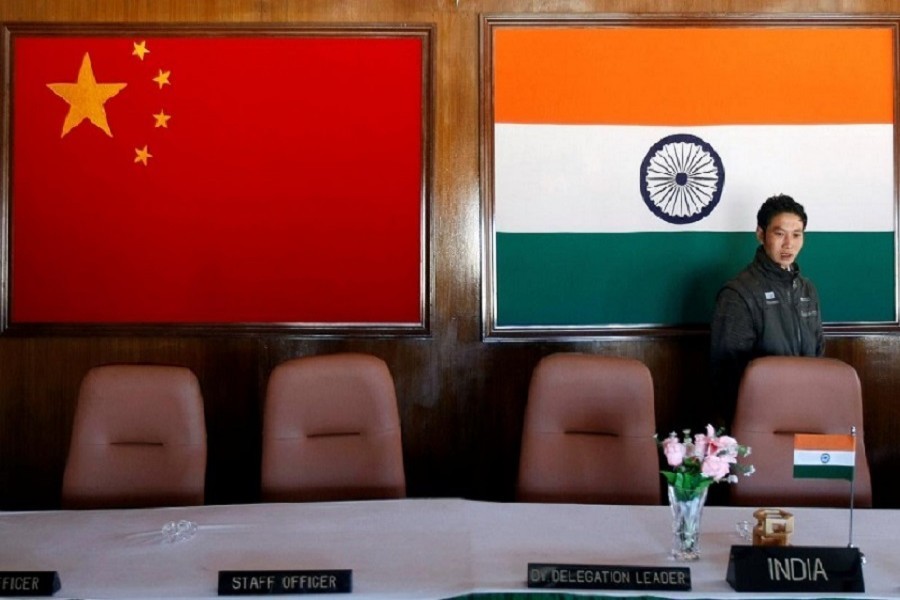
(415, 548)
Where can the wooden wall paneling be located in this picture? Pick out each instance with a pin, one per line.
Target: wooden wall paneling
(229, 378)
(875, 360)
(36, 408)
(116, 11)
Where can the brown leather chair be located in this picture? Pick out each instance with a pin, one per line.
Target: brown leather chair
(138, 439)
(331, 431)
(783, 395)
(589, 432)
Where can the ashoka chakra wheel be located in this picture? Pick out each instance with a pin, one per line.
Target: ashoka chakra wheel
(682, 178)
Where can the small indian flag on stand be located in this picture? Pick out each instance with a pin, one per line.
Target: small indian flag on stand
(824, 456)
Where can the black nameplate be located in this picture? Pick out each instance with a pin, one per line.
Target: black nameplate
(257, 583)
(795, 569)
(605, 577)
(28, 583)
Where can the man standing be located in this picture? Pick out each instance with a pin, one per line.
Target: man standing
(769, 308)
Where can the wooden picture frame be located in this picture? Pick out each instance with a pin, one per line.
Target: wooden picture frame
(580, 112)
(216, 178)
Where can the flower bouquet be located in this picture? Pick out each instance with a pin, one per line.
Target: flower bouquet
(699, 461)
(696, 463)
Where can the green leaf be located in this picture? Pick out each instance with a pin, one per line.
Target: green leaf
(687, 485)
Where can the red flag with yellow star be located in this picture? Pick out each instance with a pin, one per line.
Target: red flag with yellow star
(217, 179)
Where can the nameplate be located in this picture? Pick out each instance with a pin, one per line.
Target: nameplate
(605, 577)
(255, 583)
(795, 569)
(28, 583)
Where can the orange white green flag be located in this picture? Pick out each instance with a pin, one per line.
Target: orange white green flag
(629, 163)
(824, 456)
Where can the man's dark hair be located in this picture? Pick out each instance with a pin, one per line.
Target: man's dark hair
(777, 205)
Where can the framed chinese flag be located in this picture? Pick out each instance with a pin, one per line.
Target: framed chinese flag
(224, 177)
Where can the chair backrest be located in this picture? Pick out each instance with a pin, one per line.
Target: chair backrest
(780, 396)
(331, 431)
(138, 439)
(588, 435)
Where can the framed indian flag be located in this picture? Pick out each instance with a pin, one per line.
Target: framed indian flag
(216, 177)
(625, 159)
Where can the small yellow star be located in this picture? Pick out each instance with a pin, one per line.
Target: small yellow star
(142, 155)
(163, 78)
(86, 98)
(162, 119)
(140, 49)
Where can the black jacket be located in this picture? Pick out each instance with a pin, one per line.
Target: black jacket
(764, 311)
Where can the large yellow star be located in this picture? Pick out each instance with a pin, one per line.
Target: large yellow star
(86, 98)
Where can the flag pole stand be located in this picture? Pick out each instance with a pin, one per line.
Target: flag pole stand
(853, 495)
(852, 486)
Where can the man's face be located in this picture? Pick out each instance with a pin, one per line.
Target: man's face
(782, 239)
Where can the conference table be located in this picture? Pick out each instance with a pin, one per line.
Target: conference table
(436, 548)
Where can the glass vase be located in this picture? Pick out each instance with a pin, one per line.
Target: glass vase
(686, 514)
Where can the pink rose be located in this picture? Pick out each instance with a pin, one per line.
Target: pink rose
(728, 447)
(674, 450)
(725, 446)
(716, 467)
